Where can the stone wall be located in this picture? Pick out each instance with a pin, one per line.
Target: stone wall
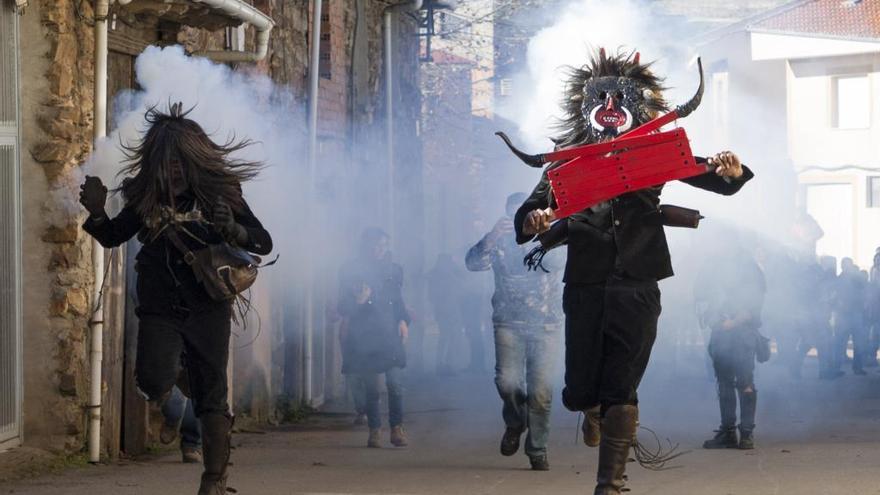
(57, 95)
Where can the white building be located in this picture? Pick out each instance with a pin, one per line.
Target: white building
(799, 84)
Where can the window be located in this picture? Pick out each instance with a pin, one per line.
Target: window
(325, 48)
(873, 192)
(506, 87)
(851, 102)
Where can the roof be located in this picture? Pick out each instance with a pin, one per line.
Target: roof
(851, 19)
(857, 20)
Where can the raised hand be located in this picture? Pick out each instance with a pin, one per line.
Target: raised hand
(93, 195)
(727, 164)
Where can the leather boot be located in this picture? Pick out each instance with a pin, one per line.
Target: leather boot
(618, 430)
(592, 428)
(216, 439)
(748, 402)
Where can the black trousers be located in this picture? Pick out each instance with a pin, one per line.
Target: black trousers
(609, 332)
(202, 339)
(733, 357)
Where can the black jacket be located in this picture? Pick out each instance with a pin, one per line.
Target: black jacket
(627, 237)
(372, 342)
(165, 282)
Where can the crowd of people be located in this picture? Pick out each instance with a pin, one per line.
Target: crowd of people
(836, 314)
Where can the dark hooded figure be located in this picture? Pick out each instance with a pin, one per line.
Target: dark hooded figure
(179, 179)
(617, 252)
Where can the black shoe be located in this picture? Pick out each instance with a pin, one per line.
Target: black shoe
(510, 441)
(723, 439)
(539, 463)
(746, 441)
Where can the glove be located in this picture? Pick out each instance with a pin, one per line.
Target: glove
(224, 221)
(93, 196)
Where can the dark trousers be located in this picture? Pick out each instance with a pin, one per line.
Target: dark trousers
(733, 358)
(202, 338)
(609, 332)
(844, 328)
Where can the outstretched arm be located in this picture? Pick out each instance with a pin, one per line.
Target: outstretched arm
(728, 178)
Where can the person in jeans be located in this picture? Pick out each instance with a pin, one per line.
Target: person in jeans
(528, 320)
(180, 417)
(376, 328)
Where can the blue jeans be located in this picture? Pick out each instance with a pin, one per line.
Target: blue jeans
(178, 410)
(369, 383)
(524, 369)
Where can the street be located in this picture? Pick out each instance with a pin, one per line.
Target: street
(813, 438)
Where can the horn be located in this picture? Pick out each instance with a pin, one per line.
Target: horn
(636, 58)
(536, 161)
(686, 109)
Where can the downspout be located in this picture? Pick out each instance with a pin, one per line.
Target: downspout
(102, 9)
(314, 84)
(388, 14)
(238, 9)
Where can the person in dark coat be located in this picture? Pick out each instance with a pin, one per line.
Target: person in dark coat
(376, 328)
(617, 252)
(179, 179)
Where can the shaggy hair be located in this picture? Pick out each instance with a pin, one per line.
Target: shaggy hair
(574, 128)
(209, 171)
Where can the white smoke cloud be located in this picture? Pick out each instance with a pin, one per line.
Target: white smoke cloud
(583, 26)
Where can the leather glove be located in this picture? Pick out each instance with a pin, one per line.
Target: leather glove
(93, 196)
(224, 221)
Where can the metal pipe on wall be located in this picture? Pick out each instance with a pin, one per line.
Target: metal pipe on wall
(253, 16)
(102, 9)
(308, 302)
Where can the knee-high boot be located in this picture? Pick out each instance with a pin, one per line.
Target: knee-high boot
(618, 430)
(216, 438)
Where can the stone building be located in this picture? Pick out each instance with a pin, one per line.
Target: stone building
(47, 104)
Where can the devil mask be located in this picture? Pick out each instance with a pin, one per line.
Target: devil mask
(607, 97)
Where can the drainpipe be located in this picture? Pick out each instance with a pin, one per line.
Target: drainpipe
(249, 14)
(314, 80)
(102, 9)
(388, 14)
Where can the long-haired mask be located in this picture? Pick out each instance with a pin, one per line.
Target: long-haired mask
(607, 97)
(176, 155)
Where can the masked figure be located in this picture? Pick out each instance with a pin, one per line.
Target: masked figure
(179, 180)
(617, 252)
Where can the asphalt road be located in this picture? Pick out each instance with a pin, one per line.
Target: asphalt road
(813, 438)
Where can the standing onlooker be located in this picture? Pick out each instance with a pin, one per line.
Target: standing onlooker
(528, 320)
(376, 327)
(823, 308)
(849, 314)
(732, 296)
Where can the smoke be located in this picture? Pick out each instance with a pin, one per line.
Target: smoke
(581, 27)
